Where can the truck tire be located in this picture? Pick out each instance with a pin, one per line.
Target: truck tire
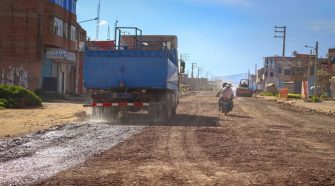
(174, 104)
(166, 106)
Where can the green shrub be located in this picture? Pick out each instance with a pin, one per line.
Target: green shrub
(2, 103)
(315, 99)
(294, 96)
(325, 96)
(18, 97)
(267, 94)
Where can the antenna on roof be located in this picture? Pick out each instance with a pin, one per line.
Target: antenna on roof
(108, 33)
(115, 25)
(98, 22)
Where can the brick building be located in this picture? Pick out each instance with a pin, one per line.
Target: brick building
(41, 45)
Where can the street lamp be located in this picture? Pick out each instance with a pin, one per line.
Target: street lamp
(316, 48)
(94, 19)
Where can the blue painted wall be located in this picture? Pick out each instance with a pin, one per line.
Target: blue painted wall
(69, 5)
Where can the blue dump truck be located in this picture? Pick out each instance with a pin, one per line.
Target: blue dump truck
(138, 75)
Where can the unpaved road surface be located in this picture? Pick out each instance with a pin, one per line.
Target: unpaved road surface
(260, 142)
(35, 157)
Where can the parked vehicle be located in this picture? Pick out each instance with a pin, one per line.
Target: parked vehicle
(244, 89)
(141, 73)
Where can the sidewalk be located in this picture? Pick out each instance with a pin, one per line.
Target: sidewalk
(324, 106)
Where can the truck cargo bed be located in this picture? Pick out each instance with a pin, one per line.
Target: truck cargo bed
(134, 68)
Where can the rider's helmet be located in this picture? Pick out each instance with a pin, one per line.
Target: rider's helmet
(224, 84)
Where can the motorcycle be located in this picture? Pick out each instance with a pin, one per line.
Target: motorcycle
(226, 105)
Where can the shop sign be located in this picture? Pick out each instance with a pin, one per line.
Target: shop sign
(55, 53)
(70, 56)
(60, 54)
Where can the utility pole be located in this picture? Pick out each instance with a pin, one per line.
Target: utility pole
(198, 72)
(316, 48)
(194, 65)
(200, 69)
(315, 66)
(282, 31)
(256, 76)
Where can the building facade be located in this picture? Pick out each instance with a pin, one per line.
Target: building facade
(290, 72)
(41, 45)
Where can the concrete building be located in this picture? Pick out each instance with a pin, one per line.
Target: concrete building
(290, 72)
(330, 68)
(260, 79)
(41, 45)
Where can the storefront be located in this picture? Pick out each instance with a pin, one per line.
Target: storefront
(59, 71)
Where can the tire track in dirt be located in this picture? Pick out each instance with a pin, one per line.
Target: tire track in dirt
(262, 143)
(200, 146)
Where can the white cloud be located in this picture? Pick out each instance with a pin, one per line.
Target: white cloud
(322, 25)
(225, 2)
(103, 22)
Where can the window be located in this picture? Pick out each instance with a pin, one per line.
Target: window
(58, 26)
(287, 72)
(65, 30)
(271, 74)
(74, 2)
(332, 59)
(59, 2)
(73, 33)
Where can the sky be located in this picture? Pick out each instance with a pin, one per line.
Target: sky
(223, 37)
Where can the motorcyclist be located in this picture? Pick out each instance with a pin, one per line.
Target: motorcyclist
(226, 93)
(218, 94)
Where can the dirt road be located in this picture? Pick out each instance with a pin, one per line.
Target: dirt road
(258, 143)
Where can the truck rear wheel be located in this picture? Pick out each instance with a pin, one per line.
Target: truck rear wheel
(166, 106)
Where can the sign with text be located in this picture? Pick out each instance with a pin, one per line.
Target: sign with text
(101, 45)
(70, 56)
(56, 53)
(60, 54)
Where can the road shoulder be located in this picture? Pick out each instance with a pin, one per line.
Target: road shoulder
(17, 122)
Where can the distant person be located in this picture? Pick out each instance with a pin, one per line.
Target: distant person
(244, 84)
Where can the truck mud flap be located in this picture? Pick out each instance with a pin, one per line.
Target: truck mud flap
(123, 112)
